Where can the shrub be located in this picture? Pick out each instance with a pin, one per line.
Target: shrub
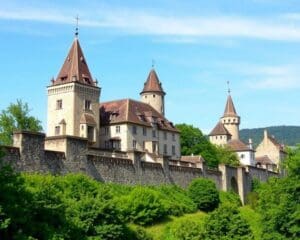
(230, 198)
(226, 223)
(143, 206)
(204, 193)
(184, 229)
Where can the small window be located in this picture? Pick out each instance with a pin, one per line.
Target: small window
(118, 129)
(134, 144)
(134, 129)
(154, 95)
(165, 149)
(173, 136)
(173, 150)
(59, 104)
(154, 147)
(57, 130)
(165, 136)
(144, 145)
(106, 131)
(87, 105)
(144, 131)
(242, 156)
(154, 133)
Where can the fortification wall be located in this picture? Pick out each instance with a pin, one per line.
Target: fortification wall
(28, 154)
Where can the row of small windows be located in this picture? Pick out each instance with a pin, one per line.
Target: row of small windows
(134, 131)
(229, 120)
(87, 104)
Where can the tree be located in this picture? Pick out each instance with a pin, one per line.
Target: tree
(192, 141)
(16, 117)
(226, 223)
(204, 193)
(292, 162)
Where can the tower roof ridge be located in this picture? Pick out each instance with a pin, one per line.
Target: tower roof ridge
(75, 68)
(152, 83)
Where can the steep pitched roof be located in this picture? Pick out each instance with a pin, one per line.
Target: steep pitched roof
(229, 108)
(219, 129)
(131, 111)
(75, 68)
(238, 146)
(152, 83)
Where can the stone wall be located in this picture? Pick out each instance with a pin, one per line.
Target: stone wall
(28, 154)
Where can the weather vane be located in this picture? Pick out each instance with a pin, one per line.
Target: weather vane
(228, 87)
(76, 30)
(153, 63)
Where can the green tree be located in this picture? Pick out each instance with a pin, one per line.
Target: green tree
(16, 117)
(226, 156)
(292, 162)
(225, 223)
(204, 193)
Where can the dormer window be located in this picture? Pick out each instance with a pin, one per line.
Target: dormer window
(86, 80)
(63, 78)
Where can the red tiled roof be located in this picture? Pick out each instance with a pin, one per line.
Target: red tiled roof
(75, 68)
(131, 111)
(229, 108)
(237, 145)
(152, 83)
(219, 129)
(264, 160)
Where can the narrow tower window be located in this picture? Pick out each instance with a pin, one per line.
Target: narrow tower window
(87, 105)
(59, 104)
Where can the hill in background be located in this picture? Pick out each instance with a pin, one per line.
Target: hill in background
(287, 135)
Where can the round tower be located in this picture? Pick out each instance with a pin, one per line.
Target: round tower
(153, 93)
(230, 119)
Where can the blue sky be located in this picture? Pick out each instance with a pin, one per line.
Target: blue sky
(197, 46)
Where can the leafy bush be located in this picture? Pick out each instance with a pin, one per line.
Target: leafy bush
(142, 206)
(226, 223)
(184, 229)
(204, 193)
(230, 198)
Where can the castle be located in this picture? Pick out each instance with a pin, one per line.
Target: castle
(124, 141)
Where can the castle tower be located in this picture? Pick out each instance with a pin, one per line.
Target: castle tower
(230, 119)
(73, 99)
(153, 93)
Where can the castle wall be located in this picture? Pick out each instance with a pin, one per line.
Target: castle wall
(29, 155)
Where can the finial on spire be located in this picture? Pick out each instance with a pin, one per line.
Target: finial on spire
(153, 63)
(228, 87)
(76, 29)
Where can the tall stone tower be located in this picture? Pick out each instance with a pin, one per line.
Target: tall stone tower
(153, 93)
(73, 99)
(230, 119)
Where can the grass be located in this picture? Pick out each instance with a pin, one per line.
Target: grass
(157, 230)
(254, 220)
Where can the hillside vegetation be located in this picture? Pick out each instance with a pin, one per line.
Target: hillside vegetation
(287, 135)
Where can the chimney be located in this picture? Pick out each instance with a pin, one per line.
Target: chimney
(250, 144)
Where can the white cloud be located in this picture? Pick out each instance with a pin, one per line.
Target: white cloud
(145, 23)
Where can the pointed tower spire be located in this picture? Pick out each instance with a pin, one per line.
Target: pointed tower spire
(229, 108)
(153, 93)
(75, 68)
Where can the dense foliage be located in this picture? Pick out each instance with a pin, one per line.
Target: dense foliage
(204, 193)
(192, 141)
(288, 135)
(16, 117)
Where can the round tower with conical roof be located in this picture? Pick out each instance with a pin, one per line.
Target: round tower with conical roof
(230, 119)
(153, 93)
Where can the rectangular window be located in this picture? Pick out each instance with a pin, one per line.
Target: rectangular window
(173, 150)
(153, 133)
(154, 147)
(106, 131)
(134, 129)
(118, 129)
(173, 136)
(59, 104)
(144, 145)
(144, 131)
(165, 149)
(90, 133)
(134, 144)
(87, 105)
(165, 136)
(57, 130)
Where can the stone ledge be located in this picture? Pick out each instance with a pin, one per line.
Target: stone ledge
(66, 137)
(29, 133)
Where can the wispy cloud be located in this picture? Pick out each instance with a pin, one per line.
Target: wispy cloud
(187, 28)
